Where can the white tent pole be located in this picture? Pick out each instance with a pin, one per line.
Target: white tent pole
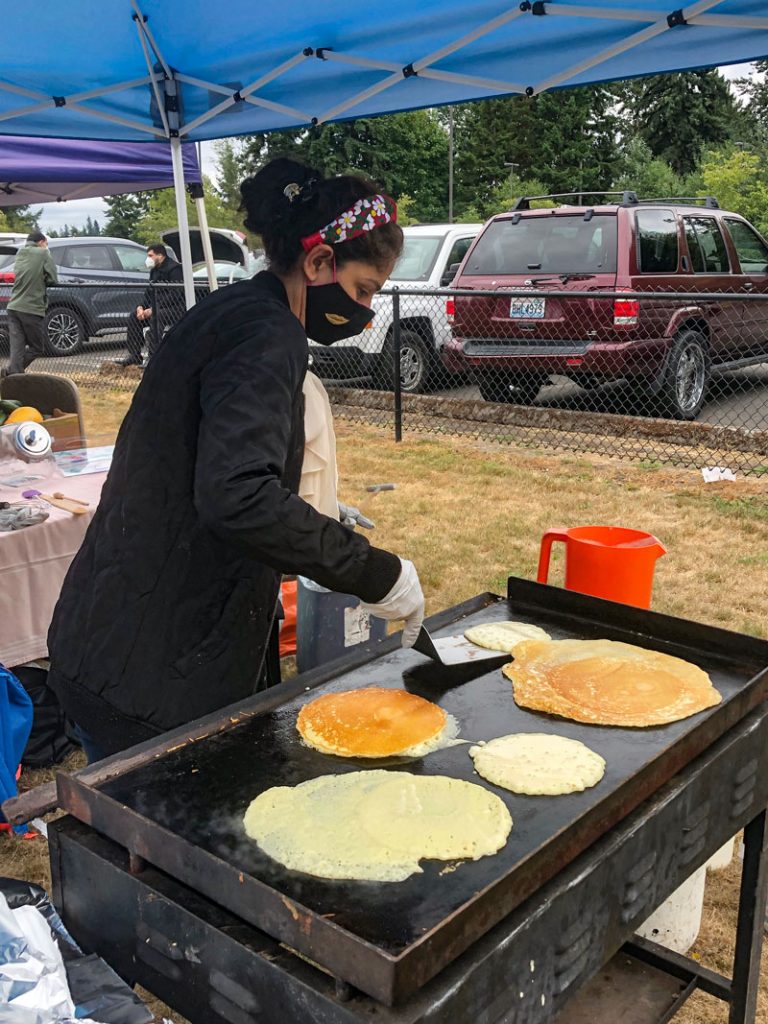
(181, 216)
(198, 194)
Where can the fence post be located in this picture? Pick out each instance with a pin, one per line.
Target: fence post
(154, 323)
(396, 382)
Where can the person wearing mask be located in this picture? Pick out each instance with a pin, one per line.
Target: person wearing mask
(166, 305)
(34, 271)
(167, 611)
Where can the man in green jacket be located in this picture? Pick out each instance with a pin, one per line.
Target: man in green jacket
(34, 270)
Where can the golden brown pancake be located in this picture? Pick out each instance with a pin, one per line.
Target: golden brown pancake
(372, 722)
(604, 682)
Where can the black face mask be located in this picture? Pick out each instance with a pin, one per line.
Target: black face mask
(332, 315)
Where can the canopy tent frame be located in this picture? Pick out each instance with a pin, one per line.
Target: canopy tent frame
(693, 15)
(169, 85)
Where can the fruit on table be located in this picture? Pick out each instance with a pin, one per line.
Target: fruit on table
(25, 414)
(7, 406)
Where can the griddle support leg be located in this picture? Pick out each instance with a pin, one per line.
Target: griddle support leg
(749, 928)
(136, 864)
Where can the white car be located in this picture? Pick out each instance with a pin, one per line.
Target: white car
(431, 256)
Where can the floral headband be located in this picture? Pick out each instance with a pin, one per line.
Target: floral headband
(365, 215)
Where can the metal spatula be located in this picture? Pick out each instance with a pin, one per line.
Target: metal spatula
(455, 650)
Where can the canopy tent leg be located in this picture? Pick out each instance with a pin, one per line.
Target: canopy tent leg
(181, 215)
(198, 194)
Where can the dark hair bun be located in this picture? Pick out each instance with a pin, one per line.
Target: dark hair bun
(264, 195)
(287, 201)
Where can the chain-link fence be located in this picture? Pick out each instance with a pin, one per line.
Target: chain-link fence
(663, 376)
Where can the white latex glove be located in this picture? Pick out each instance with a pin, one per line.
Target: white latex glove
(404, 601)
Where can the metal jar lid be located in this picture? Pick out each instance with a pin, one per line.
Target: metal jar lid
(32, 441)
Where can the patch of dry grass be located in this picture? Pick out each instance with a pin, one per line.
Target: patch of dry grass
(469, 514)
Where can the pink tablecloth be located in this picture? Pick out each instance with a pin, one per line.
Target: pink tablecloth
(33, 564)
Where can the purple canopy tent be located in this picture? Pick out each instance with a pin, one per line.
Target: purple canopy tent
(53, 170)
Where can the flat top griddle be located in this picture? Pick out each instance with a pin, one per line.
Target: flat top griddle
(199, 793)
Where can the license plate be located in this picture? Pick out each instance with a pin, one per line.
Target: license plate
(527, 309)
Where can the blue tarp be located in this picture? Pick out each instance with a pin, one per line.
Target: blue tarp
(46, 170)
(15, 727)
(281, 66)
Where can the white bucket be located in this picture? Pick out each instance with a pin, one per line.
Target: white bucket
(676, 923)
(723, 857)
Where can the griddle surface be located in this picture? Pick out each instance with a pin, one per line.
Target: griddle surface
(201, 792)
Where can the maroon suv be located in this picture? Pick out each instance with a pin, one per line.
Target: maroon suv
(512, 345)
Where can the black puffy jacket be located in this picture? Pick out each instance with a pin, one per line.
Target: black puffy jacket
(166, 610)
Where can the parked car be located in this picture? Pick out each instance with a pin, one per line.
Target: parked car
(513, 345)
(76, 314)
(431, 256)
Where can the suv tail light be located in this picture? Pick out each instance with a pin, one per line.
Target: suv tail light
(626, 312)
(450, 309)
(7, 277)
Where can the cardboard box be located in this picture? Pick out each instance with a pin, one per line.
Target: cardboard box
(65, 431)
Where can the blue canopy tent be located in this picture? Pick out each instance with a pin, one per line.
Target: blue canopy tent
(181, 69)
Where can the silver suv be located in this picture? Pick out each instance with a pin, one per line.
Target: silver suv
(431, 257)
(76, 314)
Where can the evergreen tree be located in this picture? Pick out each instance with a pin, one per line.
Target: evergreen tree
(124, 213)
(566, 141)
(21, 218)
(679, 115)
(233, 163)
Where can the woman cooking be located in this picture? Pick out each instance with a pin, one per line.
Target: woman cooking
(168, 607)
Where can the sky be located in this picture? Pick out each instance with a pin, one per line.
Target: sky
(76, 212)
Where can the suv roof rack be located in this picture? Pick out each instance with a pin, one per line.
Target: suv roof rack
(710, 203)
(627, 198)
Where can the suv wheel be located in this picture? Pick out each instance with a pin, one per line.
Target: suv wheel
(684, 386)
(508, 387)
(415, 363)
(64, 331)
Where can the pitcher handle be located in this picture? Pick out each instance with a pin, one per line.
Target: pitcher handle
(546, 550)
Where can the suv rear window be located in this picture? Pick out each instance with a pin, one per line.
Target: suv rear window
(553, 244)
(657, 241)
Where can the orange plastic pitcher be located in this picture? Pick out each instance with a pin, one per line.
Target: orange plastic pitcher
(605, 561)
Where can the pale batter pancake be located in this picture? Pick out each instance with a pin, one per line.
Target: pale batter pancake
(374, 722)
(604, 682)
(377, 825)
(504, 636)
(538, 764)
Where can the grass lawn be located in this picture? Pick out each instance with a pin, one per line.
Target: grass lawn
(469, 514)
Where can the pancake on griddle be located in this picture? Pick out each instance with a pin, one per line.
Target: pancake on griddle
(504, 636)
(605, 682)
(372, 722)
(538, 764)
(376, 826)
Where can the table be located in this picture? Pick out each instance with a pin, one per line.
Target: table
(33, 564)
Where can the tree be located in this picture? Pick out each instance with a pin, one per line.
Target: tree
(161, 214)
(233, 163)
(4, 226)
(650, 177)
(679, 115)
(124, 213)
(739, 181)
(754, 90)
(22, 218)
(407, 154)
(567, 141)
